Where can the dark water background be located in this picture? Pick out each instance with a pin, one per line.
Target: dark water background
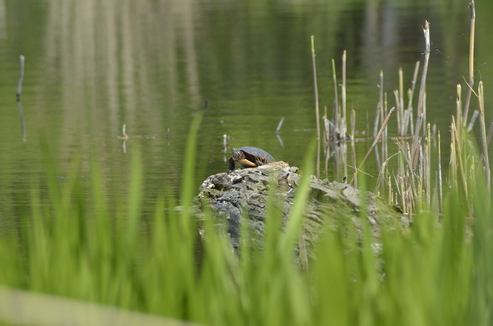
(92, 66)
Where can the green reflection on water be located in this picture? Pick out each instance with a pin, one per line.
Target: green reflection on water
(92, 67)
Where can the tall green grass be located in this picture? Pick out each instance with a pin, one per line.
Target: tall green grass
(435, 273)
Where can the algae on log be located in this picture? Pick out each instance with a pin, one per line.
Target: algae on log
(241, 195)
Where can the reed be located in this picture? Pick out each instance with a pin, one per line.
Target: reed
(420, 116)
(317, 114)
(472, 34)
(380, 132)
(18, 97)
(336, 113)
(484, 142)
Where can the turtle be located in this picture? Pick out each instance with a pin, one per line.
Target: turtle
(249, 157)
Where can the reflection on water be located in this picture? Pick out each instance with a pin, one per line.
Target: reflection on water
(151, 65)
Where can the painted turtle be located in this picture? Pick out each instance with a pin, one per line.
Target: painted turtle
(249, 157)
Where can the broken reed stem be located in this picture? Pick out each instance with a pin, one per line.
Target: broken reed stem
(279, 126)
(317, 114)
(21, 78)
(375, 141)
(421, 98)
(336, 113)
(483, 136)
(471, 60)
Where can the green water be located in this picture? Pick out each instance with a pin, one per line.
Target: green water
(93, 66)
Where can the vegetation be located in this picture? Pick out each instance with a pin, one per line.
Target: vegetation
(438, 272)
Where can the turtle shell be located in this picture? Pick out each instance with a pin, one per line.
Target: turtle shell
(249, 157)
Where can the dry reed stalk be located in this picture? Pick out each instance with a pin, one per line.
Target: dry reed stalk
(383, 174)
(400, 113)
(353, 124)
(421, 97)
(409, 110)
(336, 113)
(279, 126)
(459, 161)
(375, 141)
(343, 95)
(340, 159)
(410, 192)
(401, 96)
(427, 175)
(21, 78)
(385, 143)
(327, 136)
(317, 114)
(380, 97)
(353, 154)
(453, 166)
(420, 192)
(325, 132)
(471, 60)
(484, 142)
(390, 194)
(18, 96)
(458, 104)
(440, 184)
(377, 120)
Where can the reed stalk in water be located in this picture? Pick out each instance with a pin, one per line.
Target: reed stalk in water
(472, 34)
(375, 141)
(420, 118)
(336, 113)
(317, 114)
(484, 141)
(18, 96)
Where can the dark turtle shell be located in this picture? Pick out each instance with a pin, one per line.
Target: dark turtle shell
(249, 157)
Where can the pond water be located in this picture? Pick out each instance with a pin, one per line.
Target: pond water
(153, 65)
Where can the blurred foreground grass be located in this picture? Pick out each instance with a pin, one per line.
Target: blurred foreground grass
(436, 273)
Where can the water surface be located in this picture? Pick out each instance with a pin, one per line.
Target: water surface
(152, 65)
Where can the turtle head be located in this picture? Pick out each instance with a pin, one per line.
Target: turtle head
(237, 154)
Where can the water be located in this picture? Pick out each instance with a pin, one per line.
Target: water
(92, 67)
